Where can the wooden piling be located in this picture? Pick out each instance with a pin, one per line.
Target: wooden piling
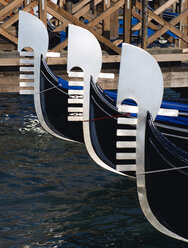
(144, 24)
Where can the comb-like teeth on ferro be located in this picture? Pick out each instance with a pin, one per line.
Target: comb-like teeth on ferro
(75, 101)
(126, 144)
(26, 84)
(126, 167)
(76, 83)
(27, 73)
(26, 92)
(27, 61)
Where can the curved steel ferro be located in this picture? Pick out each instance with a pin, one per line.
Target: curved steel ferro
(33, 34)
(84, 51)
(140, 79)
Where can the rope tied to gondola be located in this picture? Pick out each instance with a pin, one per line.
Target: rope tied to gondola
(97, 119)
(163, 170)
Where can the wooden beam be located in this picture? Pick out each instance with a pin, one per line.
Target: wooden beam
(77, 22)
(8, 36)
(106, 20)
(114, 27)
(65, 23)
(69, 7)
(144, 24)
(79, 5)
(127, 21)
(3, 2)
(168, 26)
(10, 8)
(157, 12)
(139, 17)
(13, 59)
(86, 8)
(43, 11)
(107, 12)
(15, 17)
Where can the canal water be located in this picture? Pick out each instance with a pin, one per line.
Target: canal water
(53, 195)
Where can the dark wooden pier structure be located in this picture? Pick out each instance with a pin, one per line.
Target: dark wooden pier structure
(159, 26)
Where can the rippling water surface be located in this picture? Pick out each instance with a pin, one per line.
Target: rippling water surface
(53, 195)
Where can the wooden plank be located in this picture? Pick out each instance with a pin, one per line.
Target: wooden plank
(75, 21)
(10, 83)
(15, 61)
(15, 17)
(10, 8)
(171, 57)
(79, 5)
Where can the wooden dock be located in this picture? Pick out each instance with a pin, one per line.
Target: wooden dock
(174, 66)
(104, 18)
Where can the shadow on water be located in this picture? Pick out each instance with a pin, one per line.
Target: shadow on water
(53, 195)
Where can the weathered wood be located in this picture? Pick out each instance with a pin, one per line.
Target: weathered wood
(107, 12)
(127, 21)
(10, 8)
(75, 21)
(8, 36)
(79, 5)
(15, 17)
(185, 24)
(43, 11)
(59, 17)
(86, 8)
(144, 24)
(157, 12)
(78, 14)
(169, 26)
(3, 2)
(176, 78)
(139, 17)
(69, 7)
(106, 20)
(13, 59)
(114, 26)
(9, 84)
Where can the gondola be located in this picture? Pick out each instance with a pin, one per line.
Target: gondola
(56, 116)
(136, 145)
(54, 100)
(165, 176)
(120, 141)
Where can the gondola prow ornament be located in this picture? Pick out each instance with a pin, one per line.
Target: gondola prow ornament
(156, 159)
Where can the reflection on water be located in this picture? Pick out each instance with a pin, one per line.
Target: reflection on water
(53, 195)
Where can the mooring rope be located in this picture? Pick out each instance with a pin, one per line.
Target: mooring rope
(163, 170)
(42, 91)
